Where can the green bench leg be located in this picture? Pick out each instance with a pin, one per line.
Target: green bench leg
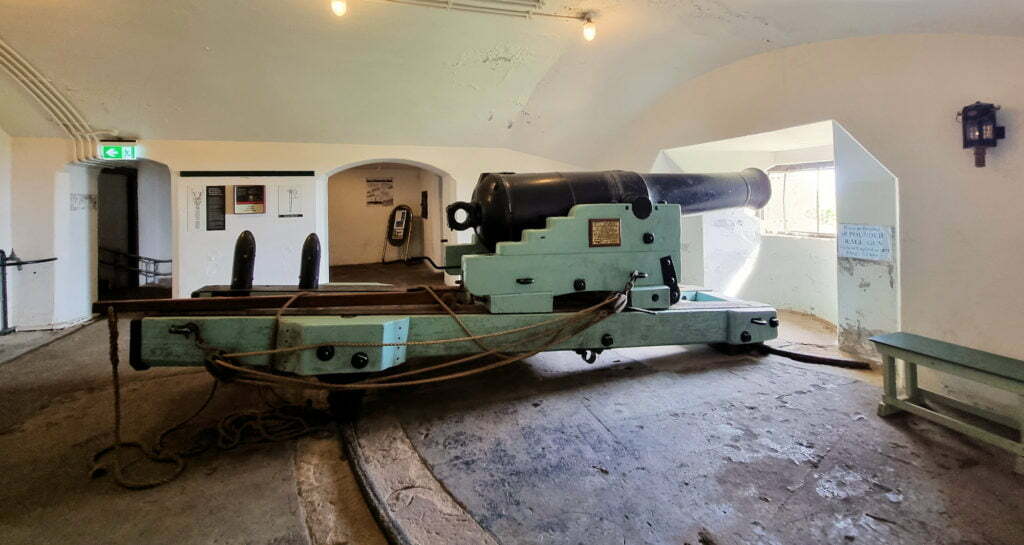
(910, 376)
(889, 377)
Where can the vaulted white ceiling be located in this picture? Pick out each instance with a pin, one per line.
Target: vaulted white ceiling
(288, 70)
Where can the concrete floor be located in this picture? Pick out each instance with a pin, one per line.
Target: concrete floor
(55, 412)
(20, 342)
(673, 445)
(808, 334)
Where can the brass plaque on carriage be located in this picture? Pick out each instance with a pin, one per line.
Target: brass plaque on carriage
(605, 232)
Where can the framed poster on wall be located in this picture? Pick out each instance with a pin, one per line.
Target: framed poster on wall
(250, 199)
(216, 205)
(380, 191)
(289, 201)
(196, 195)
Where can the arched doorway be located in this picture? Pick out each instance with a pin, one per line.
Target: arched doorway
(133, 231)
(360, 201)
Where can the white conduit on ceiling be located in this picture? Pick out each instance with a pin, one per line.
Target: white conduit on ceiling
(83, 137)
(513, 8)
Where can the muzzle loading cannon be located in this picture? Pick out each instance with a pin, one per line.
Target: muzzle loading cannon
(581, 261)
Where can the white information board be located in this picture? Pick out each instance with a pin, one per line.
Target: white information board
(289, 201)
(196, 197)
(870, 242)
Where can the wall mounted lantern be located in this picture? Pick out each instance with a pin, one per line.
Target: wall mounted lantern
(980, 129)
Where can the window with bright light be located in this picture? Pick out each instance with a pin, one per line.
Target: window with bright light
(803, 201)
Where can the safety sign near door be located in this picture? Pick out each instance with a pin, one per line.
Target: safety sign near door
(118, 152)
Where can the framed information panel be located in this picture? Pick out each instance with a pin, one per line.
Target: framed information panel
(250, 199)
(216, 206)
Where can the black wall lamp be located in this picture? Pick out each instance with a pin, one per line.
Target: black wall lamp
(980, 129)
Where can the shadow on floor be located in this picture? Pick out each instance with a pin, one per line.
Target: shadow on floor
(673, 445)
(398, 274)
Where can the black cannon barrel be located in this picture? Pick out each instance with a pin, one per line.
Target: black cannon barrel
(504, 204)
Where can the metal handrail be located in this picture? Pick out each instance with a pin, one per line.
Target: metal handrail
(133, 269)
(146, 266)
(139, 257)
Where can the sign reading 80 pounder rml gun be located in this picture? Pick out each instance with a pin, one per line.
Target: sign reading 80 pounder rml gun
(870, 242)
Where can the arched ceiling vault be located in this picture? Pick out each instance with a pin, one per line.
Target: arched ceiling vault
(288, 70)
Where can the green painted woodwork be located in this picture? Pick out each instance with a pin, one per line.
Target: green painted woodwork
(324, 329)
(688, 322)
(960, 355)
(654, 297)
(984, 367)
(453, 254)
(548, 262)
(518, 303)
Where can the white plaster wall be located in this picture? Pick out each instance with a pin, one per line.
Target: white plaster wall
(75, 244)
(897, 95)
(5, 190)
(205, 258)
(866, 193)
(36, 165)
(5, 201)
(356, 228)
(155, 210)
(796, 273)
(434, 228)
(210, 264)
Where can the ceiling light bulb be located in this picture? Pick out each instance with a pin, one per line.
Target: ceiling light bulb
(589, 30)
(339, 7)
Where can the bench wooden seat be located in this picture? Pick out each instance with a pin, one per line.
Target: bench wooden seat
(976, 365)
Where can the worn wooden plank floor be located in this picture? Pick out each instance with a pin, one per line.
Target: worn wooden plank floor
(683, 445)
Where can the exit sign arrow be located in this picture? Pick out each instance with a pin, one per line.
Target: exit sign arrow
(118, 152)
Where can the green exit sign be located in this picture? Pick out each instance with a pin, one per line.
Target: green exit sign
(118, 152)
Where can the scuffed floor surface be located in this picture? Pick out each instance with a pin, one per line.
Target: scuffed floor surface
(55, 412)
(677, 445)
(400, 275)
(20, 342)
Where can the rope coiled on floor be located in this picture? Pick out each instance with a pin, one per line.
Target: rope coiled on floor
(293, 421)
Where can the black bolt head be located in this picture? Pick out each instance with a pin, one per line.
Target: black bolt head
(745, 336)
(324, 353)
(360, 360)
(648, 238)
(607, 339)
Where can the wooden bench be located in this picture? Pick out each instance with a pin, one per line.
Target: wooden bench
(983, 367)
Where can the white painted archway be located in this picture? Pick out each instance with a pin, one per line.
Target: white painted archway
(437, 230)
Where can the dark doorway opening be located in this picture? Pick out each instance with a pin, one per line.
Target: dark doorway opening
(122, 272)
